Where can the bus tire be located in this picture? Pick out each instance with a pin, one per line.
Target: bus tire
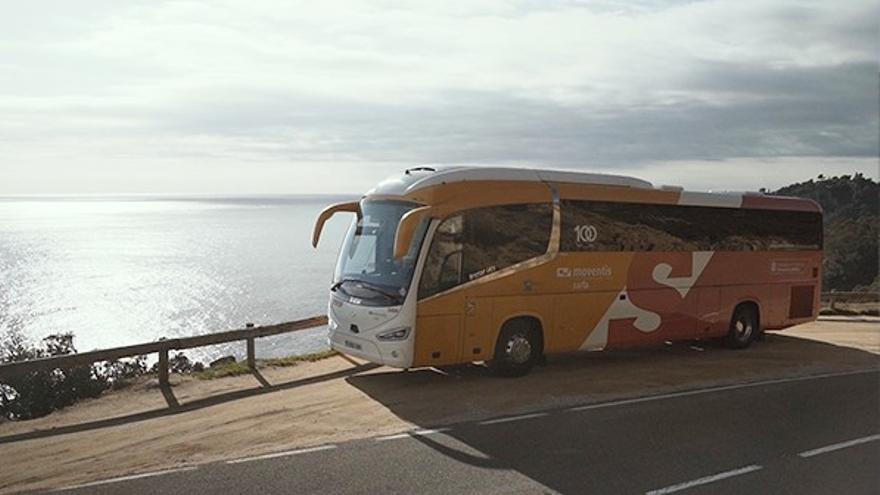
(744, 327)
(517, 350)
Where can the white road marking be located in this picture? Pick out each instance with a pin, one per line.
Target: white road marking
(282, 454)
(838, 446)
(706, 480)
(674, 488)
(715, 389)
(512, 418)
(410, 434)
(128, 478)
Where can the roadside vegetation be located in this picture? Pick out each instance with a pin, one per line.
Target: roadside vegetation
(35, 394)
(241, 367)
(38, 393)
(852, 227)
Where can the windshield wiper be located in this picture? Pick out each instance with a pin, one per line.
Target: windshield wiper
(389, 295)
(339, 284)
(366, 285)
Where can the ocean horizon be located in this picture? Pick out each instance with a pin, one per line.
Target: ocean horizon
(120, 269)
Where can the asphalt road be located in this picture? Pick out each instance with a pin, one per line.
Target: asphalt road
(808, 435)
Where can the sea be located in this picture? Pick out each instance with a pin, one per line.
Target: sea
(120, 270)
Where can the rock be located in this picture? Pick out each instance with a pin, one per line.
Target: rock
(222, 361)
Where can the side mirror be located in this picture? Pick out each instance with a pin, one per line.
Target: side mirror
(352, 207)
(406, 229)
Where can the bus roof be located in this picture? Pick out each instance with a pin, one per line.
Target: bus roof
(418, 179)
(421, 177)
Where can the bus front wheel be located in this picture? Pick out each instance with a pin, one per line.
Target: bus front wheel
(518, 349)
(744, 327)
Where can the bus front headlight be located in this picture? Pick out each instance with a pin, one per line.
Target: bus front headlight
(396, 334)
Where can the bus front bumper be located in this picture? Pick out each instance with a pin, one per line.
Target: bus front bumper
(388, 353)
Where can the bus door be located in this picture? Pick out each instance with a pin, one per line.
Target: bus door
(440, 313)
(437, 339)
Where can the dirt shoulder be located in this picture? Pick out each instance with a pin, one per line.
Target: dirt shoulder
(134, 430)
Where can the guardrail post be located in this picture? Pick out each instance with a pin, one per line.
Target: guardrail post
(251, 350)
(163, 366)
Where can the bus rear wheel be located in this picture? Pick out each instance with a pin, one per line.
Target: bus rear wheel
(744, 327)
(517, 351)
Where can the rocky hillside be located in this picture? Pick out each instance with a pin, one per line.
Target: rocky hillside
(852, 214)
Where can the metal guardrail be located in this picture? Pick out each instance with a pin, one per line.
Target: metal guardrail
(162, 347)
(834, 297)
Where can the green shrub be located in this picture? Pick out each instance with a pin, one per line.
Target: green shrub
(223, 370)
(38, 393)
(241, 367)
(293, 360)
(120, 372)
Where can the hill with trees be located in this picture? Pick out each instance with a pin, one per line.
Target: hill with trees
(852, 216)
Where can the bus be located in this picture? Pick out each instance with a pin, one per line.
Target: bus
(445, 266)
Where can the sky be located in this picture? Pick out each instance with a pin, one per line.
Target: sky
(241, 97)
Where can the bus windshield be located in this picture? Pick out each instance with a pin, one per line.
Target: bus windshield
(367, 269)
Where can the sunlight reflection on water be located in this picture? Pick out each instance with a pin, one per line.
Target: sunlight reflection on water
(128, 270)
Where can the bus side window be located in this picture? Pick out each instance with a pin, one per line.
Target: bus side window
(450, 270)
(500, 236)
(481, 241)
(443, 266)
(631, 227)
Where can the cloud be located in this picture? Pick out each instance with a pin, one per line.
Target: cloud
(127, 89)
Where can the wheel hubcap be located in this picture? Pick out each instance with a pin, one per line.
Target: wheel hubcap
(743, 329)
(519, 350)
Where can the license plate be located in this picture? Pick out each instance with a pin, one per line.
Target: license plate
(353, 345)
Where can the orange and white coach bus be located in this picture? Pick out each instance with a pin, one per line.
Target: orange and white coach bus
(506, 265)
